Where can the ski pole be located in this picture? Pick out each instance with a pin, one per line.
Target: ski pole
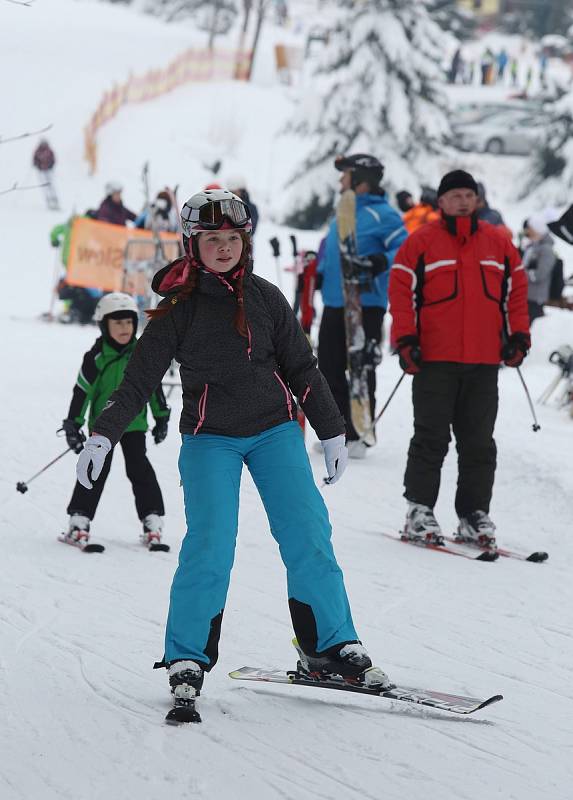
(384, 407)
(536, 426)
(22, 486)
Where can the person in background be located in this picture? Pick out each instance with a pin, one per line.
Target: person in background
(112, 209)
(379, 233)
(487, 214)
(418, 214)
(456, 67)
(161, 215)
(458, 300)
(237, 185)
(502, 59)
(539, 260)
(100, 375)
(44, 161)
(486, 65)
(514, 71)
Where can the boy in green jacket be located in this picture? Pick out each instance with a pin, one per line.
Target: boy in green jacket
(100, 375)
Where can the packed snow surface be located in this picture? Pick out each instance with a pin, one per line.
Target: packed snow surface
(82, 710)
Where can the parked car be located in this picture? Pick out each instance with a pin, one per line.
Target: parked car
(505, 133)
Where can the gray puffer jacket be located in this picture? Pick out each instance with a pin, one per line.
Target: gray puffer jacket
(539, 259)
(232, 385)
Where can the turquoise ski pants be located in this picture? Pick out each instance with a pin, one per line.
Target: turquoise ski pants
(210, 468)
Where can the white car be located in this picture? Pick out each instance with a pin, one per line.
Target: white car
(505, 133)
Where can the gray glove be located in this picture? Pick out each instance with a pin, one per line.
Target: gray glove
(335, 457)
(93, 455)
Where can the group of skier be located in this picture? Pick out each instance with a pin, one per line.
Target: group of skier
(458, 295)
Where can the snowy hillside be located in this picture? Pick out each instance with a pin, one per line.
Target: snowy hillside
(82, 710)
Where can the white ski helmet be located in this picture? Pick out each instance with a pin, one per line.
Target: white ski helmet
(214, 209)
(112, 187)
(114, 303)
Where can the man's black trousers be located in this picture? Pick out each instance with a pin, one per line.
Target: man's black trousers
(148, 498)
(332, 358)
(462, 397)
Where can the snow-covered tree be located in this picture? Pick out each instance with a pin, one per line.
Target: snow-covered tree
(451, 17)
(376, 88)
(549, 178)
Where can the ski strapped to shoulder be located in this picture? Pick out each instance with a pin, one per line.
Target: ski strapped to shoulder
(537, 556)
(461, 550)
(454, 703)
(355, 337)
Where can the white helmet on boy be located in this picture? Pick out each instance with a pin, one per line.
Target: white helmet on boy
(113, 303)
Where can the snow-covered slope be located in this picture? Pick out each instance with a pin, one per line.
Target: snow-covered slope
(82, 711)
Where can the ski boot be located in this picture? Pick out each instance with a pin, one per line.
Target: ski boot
(421, 525)
(186, 680)
(349, 664)
(151, 535)
(78, 533)
(477, 528)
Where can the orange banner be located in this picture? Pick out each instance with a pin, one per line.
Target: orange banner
(113, 257)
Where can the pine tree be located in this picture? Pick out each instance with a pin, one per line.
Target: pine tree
(376, 89)
(549, 180)
(451, 17)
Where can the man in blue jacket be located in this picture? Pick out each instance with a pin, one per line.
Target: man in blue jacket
(379, 234)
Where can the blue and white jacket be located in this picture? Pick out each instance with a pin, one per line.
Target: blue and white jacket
(379, 229)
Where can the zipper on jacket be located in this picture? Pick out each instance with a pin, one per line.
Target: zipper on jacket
(305, 395)
(202, 409)
(287, 394)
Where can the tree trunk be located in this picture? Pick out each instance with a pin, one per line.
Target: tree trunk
(260, 17)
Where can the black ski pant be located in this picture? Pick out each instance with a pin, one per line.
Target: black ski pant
(463, 397)
(148, 498)
(332, 358)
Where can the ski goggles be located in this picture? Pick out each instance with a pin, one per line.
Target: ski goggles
(212, 216)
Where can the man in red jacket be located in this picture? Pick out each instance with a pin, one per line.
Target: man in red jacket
(458, 299)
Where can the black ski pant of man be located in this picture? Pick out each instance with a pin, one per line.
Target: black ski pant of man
(148, 498)
(463, 397)
(332, 358)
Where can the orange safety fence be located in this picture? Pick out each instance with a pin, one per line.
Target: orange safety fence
(192, 65)
(98, 254)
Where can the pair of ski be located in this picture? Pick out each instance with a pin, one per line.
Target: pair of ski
(463, 549)
(444, 701)
(95, 547)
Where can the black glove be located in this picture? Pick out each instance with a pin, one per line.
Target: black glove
(410, 355)
(515, 349)
(159, 432)
(276, 245)
(75, 437)
(54, 242)
(364, 268)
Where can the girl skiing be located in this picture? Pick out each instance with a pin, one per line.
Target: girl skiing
(100, 375)
(241, 352)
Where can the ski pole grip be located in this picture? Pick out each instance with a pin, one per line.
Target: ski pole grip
(276, 245)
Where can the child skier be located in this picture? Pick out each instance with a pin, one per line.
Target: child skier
(100, 375)
(241, 351)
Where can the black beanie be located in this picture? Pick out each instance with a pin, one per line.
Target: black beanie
(458, 179)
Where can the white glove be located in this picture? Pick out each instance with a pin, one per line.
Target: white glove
(95, 450)
(335, 457)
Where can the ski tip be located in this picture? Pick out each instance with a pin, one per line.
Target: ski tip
(538, 558)
(159, 547)
(490, 701)
(93, 548)
(488, 555)
(182, 716)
